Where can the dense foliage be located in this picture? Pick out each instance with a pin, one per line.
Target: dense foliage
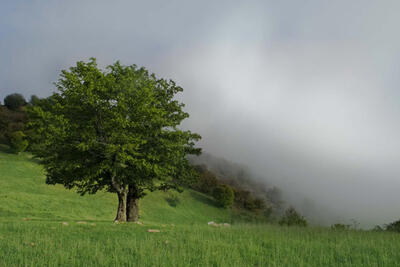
(206, 181)
(14, 101)
(115, 130)
(12, 124)
(18, 142)
(223, 195)
(393, 227)
(251, 200)
(292, 218)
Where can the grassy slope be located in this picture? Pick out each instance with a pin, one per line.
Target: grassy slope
(23, 193)
(184, 240)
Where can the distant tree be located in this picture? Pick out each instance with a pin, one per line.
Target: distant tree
(18, 142)
(10, 121)
(115, 130)
(34, 100)
(378, 228)
(206, 180)
(242, 198)
(14, 101)
(259, 203)
(274, 196)
(224, 195)
(292, 217)
(393, 227)
(340, 227)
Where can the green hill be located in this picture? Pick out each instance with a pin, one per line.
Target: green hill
(42, 225)
(24, 194)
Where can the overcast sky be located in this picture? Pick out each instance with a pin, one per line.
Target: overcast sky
(304, 92)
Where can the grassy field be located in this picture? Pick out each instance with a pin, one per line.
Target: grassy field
(32, 232)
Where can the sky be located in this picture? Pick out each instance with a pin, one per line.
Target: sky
(306, 93)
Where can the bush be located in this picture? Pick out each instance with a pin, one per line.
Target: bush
(18, 143)
(224, 195)
(393, 227)
(378, 228)
(172, 199)
(292, 217)
(340, 227)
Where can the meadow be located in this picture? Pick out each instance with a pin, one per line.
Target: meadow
(43, 225)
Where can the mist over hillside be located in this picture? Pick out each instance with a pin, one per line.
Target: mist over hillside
(303, 93)
(244, 177)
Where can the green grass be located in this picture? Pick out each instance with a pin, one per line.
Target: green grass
(185, 238)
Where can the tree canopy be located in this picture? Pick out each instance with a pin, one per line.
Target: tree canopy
(14, 101)
(116, 129)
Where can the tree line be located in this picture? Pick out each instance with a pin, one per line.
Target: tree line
(13, 120)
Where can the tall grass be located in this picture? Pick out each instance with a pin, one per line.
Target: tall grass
(38, 243)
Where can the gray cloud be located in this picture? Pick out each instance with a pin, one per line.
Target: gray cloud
(304, 92)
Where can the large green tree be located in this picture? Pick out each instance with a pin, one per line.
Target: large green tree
(116, 130)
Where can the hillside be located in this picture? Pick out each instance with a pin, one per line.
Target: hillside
(42, 225)
(24, 194)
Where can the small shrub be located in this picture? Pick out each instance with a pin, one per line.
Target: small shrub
(173, 199)
(18, 143)
(224, 196)
(378, 228)
(340, 227)
(292, 217)
(393, 227)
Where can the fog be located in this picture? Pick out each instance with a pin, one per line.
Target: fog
(305, 93)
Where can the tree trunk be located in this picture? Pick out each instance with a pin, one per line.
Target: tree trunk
(132, 205)
(121, 192)
(121, 211)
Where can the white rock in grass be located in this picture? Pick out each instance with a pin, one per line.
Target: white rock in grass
(153, 230)
(65, 223)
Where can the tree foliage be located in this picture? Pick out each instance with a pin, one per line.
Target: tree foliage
(35, 100)
(10, 121)
(18, 142)
(292, 217)
(206, 181)
(393, 227)
(224, 195)
(14, 101)
(113, 129)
